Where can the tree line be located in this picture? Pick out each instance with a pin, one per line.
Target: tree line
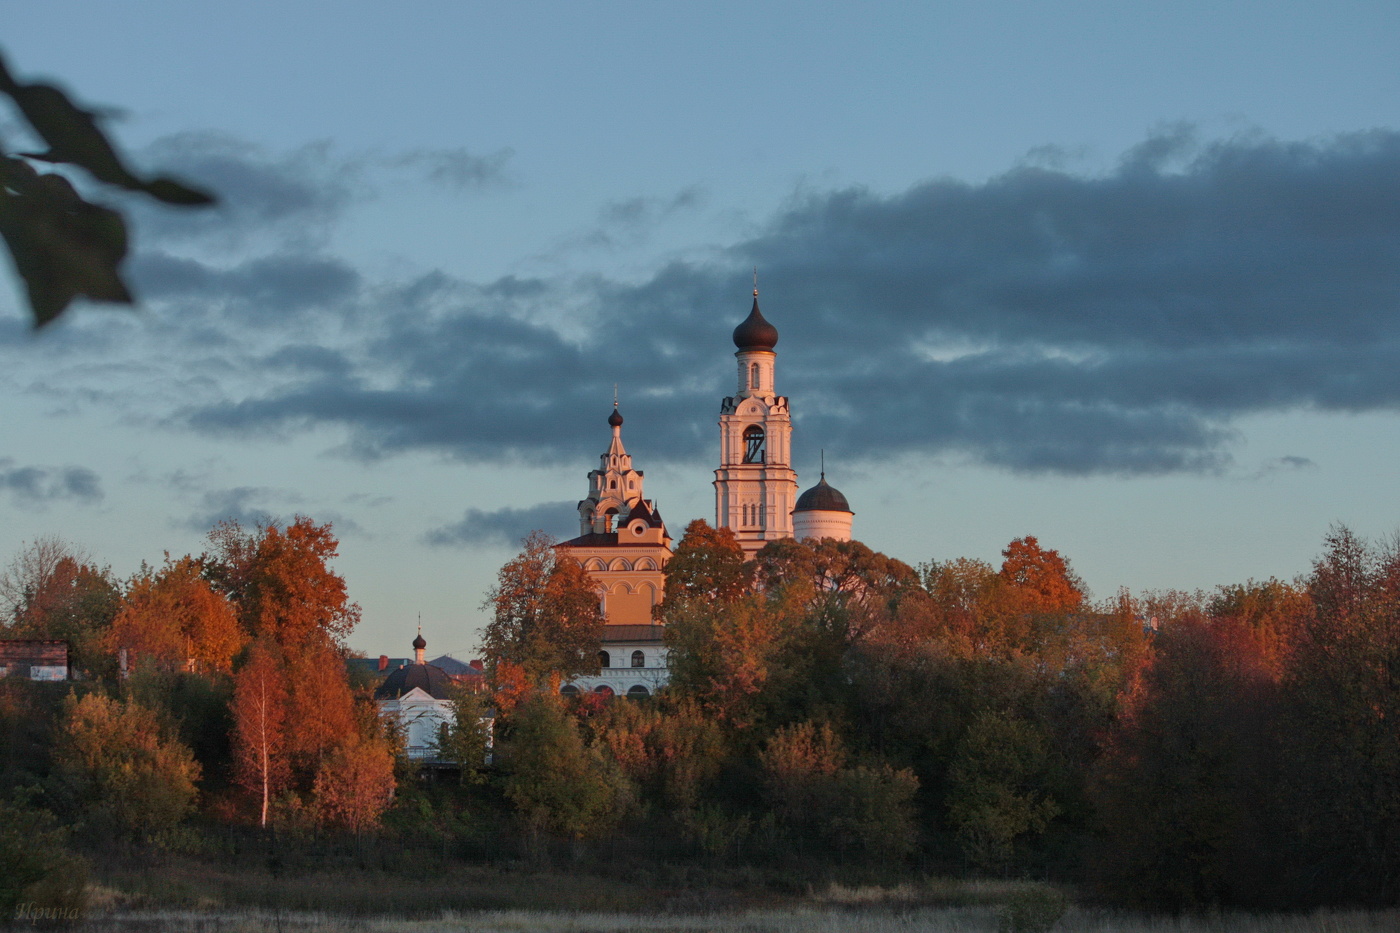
(830, 709)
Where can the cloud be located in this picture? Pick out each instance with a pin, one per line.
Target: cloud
(1284, 465)
(459, 168)
(1041, 321)
(262, 287)
(640, 211)
(235, 505)
(31, 486)
(263, 197)
(505, 526)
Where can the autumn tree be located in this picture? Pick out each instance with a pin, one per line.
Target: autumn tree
(822, 800)
(1341, 707)
(707, 565)
(355, 784)
(123, 767)
(173, 618)
(281, 580)
(259, 718)
(1184, 790)
(546, 613)
(1041, 579)
(51, 590)
(320, 707)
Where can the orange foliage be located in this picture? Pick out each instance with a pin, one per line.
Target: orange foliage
(175, 618)
(259, 720)
(282, 581)
(1041, 580)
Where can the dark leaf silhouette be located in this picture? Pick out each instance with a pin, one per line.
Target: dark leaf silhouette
(63, 246)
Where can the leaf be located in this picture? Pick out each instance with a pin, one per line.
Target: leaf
(63, 247)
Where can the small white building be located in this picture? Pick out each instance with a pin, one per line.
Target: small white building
(418, 697)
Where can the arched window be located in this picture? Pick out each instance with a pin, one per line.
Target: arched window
(639, 659)
(753, 444)
(638, 693)
(603, 690)
(569, 690)
(604, 659)
(753, 377)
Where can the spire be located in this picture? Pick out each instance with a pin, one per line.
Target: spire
(418, 643)
(755, 333)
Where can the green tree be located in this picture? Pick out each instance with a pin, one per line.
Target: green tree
(997, 788)
(123, 768)
(838, 809)
(36, 866)
(546, 614)
(466, 736)
(557, 784)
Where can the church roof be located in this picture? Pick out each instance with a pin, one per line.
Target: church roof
(633, 634)
(603, 539)
(755, 333)
(822, 497)
(429, 678)
(645, 511)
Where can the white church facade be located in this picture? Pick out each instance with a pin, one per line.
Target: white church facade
(624, 544)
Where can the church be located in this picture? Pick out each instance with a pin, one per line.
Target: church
(623, 542)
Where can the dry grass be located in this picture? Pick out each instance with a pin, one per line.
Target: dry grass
(813, 919)
(194, 898)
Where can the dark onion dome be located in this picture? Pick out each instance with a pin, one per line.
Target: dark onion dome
(615, 419)
(822, 497)
(419, 642)
(755, 333)
(430, 678)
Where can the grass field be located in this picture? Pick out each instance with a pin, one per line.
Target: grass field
(186, 896)
(813, 919)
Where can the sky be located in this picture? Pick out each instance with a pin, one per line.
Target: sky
(1124, 277)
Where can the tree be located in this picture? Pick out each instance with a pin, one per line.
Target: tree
(819, 799)
(281, 580)
(466, 737)
(1185, 787)
(259, 723)
(63, 246)
(174, 618)
(708, 565)
(320, 707)
(51, 591)
(1042, 580)
(355, 784)
(722, 654)
(546, 611)
(997, 790)
(557, 784)
(122, 766)
(1341, 703)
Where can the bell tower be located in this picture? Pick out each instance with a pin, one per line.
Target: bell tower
(755, 486)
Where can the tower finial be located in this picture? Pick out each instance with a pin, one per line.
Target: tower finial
(755, 281)
(823, 463)
(614, 395)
